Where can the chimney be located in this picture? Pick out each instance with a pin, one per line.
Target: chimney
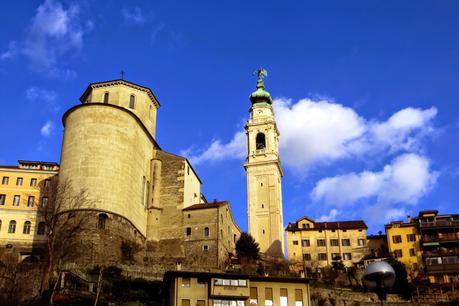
(409, 218)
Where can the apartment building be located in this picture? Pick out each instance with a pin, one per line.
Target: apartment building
(318, 244)
(223, 289)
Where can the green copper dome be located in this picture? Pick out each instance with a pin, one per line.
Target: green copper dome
(261, 95)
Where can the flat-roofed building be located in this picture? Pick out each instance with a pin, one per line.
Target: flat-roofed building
(23, 189)
(318, 244)
(403, 240)
(222, 289)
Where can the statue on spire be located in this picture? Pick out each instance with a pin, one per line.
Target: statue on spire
(261, 95)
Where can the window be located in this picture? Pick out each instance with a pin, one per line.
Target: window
(304, 225)
(101, 221)
(201, 302)
(347, 256)
(47, 183)
(188, 231)
(361, 242)
(268, 296)
(398, 253)
(19, 181)
(205, 247)
(411, 237)
(2, 199)
(206, 232)
(396, 239)
(305, 242)
(260, 141)
(201, 283)
(253, 296)
(335, 256)
(5, 180)
(185, 302)
(132, 102)
(41, 228)
(295, 242)
(334, 242)
(306, 257)
(345, 242)
(33, 182)
(31, 201)
(16, 200)
(283, 297)
(320, 242)
(12, 227)
(106, 97)
(186, 282)
(322, 256)
(412, 252)
(298, 297)
(44, 201)
(26, 229)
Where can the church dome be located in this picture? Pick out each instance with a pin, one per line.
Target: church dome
(261, 95)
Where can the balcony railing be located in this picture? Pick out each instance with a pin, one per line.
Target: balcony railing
(440, 237)
(443, 252)
(443, 268)
(442, 223)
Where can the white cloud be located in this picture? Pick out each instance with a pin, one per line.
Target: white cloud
(405, 180)
(330, 217)
(219, 151)
(47, 128)
(134, 15)
(55, 32)
(322, 131)
(11, 52)
(43, 96)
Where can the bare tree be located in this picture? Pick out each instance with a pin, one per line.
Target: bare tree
(67, 216)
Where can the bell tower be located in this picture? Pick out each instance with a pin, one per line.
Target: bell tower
(264, 173)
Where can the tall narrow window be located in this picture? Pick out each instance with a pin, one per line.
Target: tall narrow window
(106, 97)
(2, 199)
(47, 183)
(102, 220)
(33, 182)
(188, 231)
(41, 228)
(44, 202)
(26, 229)
(298, 297)
(30, 201)
(132, 102)
(260, 141)
(12, 227)
(5, 180)
(206, 232)
(19, 181)
(283, 297)
(268, 296)
(253, 296)
(16, 200)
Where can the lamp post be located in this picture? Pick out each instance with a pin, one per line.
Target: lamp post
(379, 277)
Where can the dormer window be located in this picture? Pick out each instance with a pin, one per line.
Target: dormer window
(260, 141)
(106, 98)
(132, 102)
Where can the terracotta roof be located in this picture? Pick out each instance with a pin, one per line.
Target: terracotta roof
(206, 205)
(354, 224)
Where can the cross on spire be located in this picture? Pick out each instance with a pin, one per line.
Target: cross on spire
(122, 74)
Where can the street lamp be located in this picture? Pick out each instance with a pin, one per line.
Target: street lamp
(379, 277)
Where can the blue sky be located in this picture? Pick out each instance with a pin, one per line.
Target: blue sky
(366, 92)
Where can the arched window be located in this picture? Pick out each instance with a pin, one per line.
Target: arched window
(106, 97)
(101, 222)
(12, 227)
(206, 232)
(132, 102)
(26, 229)
(260, 141)
(41, 228)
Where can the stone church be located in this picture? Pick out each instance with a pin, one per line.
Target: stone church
(144, 196)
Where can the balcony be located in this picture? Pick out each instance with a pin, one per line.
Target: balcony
(441, 237)
(441, 252)
(438, 224)
(442, 268)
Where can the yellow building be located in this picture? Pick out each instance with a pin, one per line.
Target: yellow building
(403, 240)
(318, 244)
(223, 289)
(22, 189)
(264, 174)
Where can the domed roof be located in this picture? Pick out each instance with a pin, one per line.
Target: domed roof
(261, 95)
